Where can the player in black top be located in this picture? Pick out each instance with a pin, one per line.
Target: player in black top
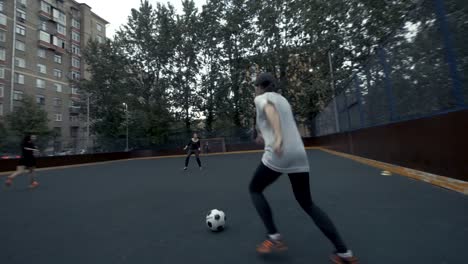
(27, 161)
(193, 147)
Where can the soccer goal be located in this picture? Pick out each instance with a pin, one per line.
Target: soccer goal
(212, 145)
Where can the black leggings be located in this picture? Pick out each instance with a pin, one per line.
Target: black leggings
(190, 152)
(264, 176)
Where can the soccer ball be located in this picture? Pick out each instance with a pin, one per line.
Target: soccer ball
(215, 220)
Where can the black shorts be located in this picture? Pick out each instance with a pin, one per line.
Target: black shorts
(27, 162)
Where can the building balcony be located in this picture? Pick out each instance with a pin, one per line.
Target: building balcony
(74, 110)
(75, 123)
(46, 45)
(60, 50)
(75, 97)
(45, 15)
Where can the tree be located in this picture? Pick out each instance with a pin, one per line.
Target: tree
(148, 43)
(107, 89)
(28, 118)
(186, 96)
(238, 36)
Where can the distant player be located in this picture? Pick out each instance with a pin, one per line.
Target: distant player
(193, 147)
(285, 154)
(27, 161)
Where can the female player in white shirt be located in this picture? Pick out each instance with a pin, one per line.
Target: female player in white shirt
(285, 154)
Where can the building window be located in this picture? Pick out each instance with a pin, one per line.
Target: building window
(2, 88)
(59, 42)
(59, 16)
(58, 87)
(42, 68)
(76, 23)
(19, 78)
(44, 36)
(3, 20)
(2, 36)
(74, 104)
(76, 36)
(2, 73)
(40, 83)
(1, 6)
(57, 73)
(21, 15)
(75, 75)
(76, 50)
(40, 99)
(20, 62)
(57, 101)
(99, 27)
(74, 130)
(61, 29)
(2, 54)
(20, 30)
(74, 118)
(20, 45)
(41, 53)
(46, 7)
(76, 62)
(74, 90)
(23, 3)
(17, 95)
(58, 117)
(58, 59)
(43, 25)
(100, 39)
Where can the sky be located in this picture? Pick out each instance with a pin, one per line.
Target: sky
(116, 12)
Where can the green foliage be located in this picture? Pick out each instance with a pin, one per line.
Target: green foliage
(27, 118)
(172, 69)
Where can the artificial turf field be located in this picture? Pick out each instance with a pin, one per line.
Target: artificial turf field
(151, 211)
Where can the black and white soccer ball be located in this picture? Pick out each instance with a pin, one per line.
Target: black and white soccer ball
(216, 220)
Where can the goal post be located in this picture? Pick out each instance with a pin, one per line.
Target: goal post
(212, 145)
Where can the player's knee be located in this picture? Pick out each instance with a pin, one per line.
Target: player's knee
(305, 203)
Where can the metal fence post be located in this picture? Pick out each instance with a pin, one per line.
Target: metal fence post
(358, 96)
(449, 53)
(388, 84)
(332, 84)
(347, 110)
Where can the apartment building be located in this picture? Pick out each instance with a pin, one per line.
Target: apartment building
(40, 56)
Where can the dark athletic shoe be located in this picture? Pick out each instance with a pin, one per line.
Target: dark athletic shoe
(271, 245)
(343, 260)
(185, 168)
(8, 182)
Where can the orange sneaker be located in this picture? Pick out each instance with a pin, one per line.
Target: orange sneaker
(343, 260)
(33, 185)
(8, 182)
(271, 245)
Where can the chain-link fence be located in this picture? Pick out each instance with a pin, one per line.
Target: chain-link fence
(173, 140)
(419, 71)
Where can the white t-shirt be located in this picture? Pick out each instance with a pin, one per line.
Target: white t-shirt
(294, 157)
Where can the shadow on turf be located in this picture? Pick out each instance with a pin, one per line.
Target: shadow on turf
(275, 257)
(19, 190)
